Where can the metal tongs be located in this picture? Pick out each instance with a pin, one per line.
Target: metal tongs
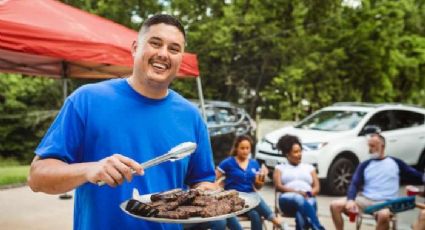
(176, 153)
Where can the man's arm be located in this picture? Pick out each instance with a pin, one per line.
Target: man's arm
(357, 181)
(53, 176)
(407, 171)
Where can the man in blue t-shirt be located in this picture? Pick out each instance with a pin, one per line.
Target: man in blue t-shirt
(104, 130)
(378, 180)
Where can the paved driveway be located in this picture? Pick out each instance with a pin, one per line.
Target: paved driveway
(20, 208)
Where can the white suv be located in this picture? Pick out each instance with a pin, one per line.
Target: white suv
(334, 139)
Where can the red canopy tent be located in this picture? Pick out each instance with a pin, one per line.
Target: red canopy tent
(49, 38)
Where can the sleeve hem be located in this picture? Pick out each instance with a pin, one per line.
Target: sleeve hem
(221, 170)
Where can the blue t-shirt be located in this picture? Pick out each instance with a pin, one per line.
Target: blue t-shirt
(236, 177)
(101, 119)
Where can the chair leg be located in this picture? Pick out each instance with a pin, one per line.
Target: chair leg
(394, 220)
(359, 222)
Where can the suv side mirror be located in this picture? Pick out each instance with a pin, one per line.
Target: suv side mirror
(369, 129)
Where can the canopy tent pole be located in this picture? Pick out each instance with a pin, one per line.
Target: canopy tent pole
(64, 80)
(201, 98)
(64, 75)
(64, 88)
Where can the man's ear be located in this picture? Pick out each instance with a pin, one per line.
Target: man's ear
(134, 48)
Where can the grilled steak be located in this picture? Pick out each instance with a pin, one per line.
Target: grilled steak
(179, 204)
(173, 215)
(191, 210)
(167, 195)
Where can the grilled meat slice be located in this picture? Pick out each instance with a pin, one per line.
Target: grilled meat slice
(167, 195)
(191, 210)
(204, 201)
(142, 209)
(216, 209)
(173, 214)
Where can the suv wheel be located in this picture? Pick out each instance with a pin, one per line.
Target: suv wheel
(339, 176)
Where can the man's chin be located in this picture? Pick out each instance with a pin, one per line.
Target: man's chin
(159, 82)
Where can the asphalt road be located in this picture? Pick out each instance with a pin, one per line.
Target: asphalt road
(20, 208)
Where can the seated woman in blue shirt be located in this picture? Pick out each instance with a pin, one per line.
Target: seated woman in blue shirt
(245, 175)
(298, 182)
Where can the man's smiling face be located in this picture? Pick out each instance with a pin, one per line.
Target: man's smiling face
(158, 55)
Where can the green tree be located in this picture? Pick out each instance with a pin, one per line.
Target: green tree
(28, 106)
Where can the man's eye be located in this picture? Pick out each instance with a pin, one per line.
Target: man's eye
(174, 50)
(155, 43)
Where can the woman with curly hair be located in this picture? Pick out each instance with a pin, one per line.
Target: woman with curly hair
(298, 183)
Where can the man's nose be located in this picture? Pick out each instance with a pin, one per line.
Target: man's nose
(163, 51)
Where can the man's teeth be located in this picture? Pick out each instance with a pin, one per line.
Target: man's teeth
(160, 66)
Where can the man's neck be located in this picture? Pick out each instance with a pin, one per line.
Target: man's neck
(157, 93)
(382, 156)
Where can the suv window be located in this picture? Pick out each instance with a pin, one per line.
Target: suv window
(407, 119)
(396, 119)
(382, 120)
(335, 120)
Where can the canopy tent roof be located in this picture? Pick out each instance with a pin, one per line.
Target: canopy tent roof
(47, 37)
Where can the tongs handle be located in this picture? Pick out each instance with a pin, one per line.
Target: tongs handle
(156, 160)
(176, 153)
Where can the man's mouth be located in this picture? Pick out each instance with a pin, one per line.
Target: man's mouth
(161, 66)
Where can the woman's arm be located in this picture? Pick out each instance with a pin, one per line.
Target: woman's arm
(316, 184)
(278, 183)
(259, 181)
(219, 178)
(260, 177)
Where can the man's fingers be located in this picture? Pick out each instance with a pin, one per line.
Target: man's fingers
(105, 177)
(124, 170)
(114, 174)
(131, 163)
(116, 168)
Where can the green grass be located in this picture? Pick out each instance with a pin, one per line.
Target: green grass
(15, 174)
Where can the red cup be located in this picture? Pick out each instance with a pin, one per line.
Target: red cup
(412, 190)
(352, 216)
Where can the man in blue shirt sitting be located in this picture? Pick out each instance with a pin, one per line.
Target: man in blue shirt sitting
(377, 180)
(105, 129)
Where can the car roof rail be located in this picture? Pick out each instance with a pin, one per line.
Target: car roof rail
(374, 105)
(362, 104)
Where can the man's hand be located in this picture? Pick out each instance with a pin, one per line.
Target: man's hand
(351, 206)
(113, 170)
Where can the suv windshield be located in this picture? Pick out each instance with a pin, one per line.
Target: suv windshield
(332, 120)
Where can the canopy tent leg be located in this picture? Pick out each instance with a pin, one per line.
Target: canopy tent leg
(64, 76)
(64, 88)
(65, 196)
(201, 98)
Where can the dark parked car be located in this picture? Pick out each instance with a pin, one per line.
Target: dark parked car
(225, 121)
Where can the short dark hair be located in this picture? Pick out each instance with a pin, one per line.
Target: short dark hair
(238, 140)
(285, 143)
(162, 18)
